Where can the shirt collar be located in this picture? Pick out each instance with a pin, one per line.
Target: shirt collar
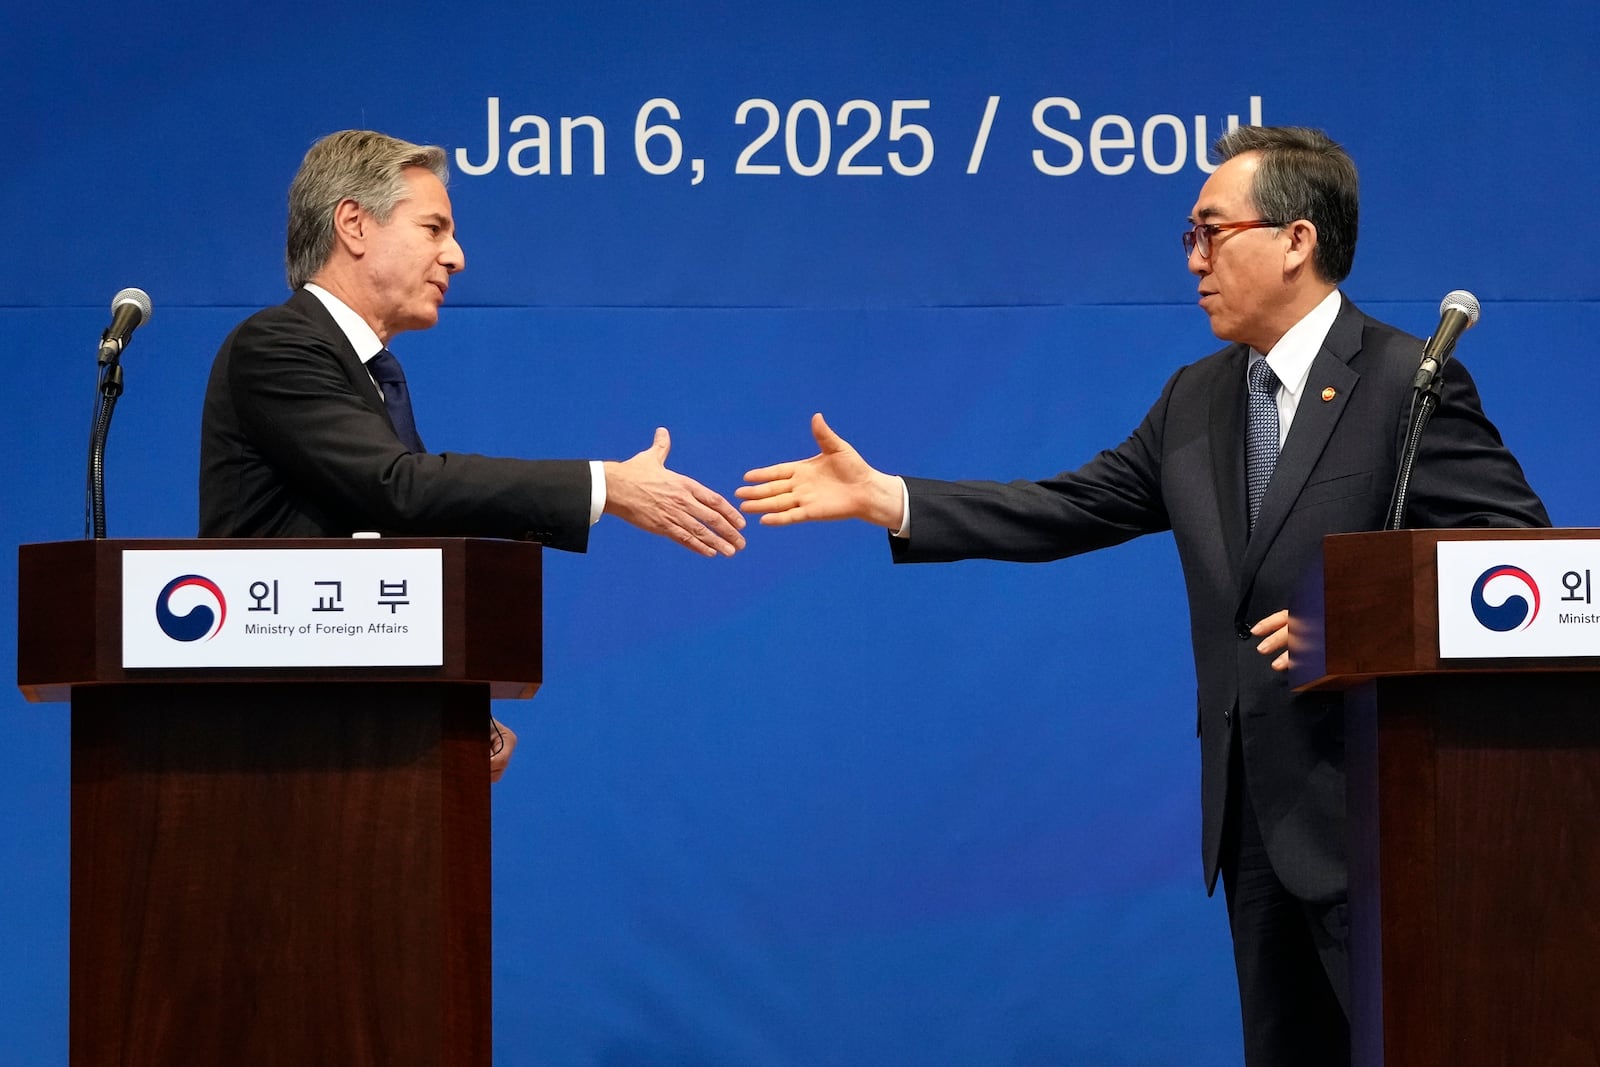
(1290, 359)
(361, 336)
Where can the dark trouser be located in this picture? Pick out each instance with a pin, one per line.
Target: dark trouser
(1291, 955)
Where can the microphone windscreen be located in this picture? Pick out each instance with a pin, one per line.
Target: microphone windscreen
(140, 299)
(1463, 302)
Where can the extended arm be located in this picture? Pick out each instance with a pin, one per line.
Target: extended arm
(295, 443)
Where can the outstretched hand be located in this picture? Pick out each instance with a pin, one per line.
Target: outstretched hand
(836, 483)
(642, 491)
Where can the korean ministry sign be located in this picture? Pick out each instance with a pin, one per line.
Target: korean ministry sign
(283, 608)
(1518, 599)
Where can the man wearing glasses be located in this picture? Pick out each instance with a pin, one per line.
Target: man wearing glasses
(1250, 456)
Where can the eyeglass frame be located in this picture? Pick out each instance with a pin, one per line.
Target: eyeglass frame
(1200, 235)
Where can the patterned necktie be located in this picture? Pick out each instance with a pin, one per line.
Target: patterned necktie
(385, 370)
(1261, 435)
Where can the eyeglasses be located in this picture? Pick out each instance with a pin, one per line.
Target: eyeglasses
(1201, 234)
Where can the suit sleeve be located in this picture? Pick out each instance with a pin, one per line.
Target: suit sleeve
(1111, 499)
(298, 408)
(1464, 475)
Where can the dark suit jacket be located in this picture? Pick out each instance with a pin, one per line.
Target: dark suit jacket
(1183, 470)
(295, 442)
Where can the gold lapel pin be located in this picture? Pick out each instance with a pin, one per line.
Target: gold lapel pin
(1328, 394)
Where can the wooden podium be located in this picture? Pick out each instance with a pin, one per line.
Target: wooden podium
(279, 865)
(1474, 817)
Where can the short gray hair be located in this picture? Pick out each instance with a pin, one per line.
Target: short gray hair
(359, 165)
(1304, 174)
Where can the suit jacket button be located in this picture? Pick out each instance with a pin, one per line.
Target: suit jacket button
(1227, 718)
(1244, 633)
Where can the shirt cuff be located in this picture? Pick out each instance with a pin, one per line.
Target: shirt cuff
(597, 490)
(904, 532)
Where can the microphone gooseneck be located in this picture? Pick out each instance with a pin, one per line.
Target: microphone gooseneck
(1458, 313)
(130, 309)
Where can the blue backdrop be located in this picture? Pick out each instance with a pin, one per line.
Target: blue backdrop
(798, 807)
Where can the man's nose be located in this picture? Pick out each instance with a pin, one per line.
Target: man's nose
(453, 257)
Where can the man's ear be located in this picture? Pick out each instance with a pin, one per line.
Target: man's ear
(350, 222)
(1300, 254)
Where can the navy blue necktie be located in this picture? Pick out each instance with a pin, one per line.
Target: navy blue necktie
(1261, 434)
(385, 370)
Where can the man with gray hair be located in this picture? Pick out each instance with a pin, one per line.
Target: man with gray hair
(1250, 456)
(308, 431)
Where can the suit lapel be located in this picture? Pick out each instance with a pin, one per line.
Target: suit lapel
(1227, 452)
(349, 362)
(1314, 421)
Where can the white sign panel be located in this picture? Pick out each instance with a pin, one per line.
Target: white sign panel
(283, 608)
(1502, 599)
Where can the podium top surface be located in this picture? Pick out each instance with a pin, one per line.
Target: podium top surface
(1370, 609)
(70, 615)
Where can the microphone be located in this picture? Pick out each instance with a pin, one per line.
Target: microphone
(130, 309)
(1458, 313)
